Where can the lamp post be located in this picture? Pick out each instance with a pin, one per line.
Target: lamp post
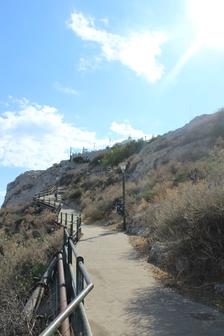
(123, 168)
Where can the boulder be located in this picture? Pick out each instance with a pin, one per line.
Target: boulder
(158, 254)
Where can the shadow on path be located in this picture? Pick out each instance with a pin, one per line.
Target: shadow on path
(161, 312)
(100, 235)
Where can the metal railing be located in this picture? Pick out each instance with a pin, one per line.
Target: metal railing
(46, 201)
(74, 280)
(48, 191)
(78, 284)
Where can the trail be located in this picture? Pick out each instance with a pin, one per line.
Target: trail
(128, 301)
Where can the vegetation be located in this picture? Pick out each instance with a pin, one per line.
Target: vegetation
(179, 205)
(25, 252)
(119, 153)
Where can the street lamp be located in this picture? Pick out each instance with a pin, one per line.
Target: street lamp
(123, 168)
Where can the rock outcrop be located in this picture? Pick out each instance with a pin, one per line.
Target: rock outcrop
(188, 143)
(26, 185)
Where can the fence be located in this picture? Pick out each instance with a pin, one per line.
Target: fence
(73, 279)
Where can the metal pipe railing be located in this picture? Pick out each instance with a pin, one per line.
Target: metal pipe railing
(72, 306)
(54, 325)
(65, 328)
(85, 320)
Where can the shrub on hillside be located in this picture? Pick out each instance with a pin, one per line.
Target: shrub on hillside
(191, 221)
(22, 264)
(26, 219)
(120, 153)
(74, 195)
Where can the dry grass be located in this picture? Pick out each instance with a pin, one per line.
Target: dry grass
(190, 222)
(29, 220)
(23, 263)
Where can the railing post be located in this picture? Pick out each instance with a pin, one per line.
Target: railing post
(79, 288)
(66, 218)
(79, 276)
(65, 238)
(69, 251)
(80, 223)
(70, 293)
(71, 227)
(61, 218)
(78, 228)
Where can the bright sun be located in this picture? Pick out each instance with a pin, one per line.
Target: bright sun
(208, 19)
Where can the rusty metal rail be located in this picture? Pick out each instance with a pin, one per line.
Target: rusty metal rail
(78, 285)
(74, 280)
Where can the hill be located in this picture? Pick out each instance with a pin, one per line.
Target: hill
(174, 192)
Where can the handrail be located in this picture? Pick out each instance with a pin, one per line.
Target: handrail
(78, 300)
(74, 280)
(54, 325)
(47, 191)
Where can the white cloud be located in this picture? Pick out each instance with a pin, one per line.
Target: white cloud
(35, 136)
(126, 130)
(139, 51)
(67, 90)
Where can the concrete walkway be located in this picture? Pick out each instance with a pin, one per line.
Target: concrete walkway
(128, 301)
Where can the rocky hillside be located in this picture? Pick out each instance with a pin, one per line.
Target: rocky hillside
(189, 143)
(174, 200)
(26, 185)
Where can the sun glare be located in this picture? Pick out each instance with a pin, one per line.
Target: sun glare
(207, 18)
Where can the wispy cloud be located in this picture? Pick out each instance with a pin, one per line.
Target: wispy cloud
(105, 21)
(87, 64)
(139, 51)
(125, 130)
(64, 89)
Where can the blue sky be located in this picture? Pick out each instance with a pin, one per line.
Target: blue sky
(89, 73)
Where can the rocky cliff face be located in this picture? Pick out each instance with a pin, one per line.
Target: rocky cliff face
(31, 182)
(189, 143)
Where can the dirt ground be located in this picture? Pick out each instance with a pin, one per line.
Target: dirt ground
(127, 300)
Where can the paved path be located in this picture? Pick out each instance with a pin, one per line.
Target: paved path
(128, 301)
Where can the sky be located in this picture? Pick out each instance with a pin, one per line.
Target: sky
(83, 73)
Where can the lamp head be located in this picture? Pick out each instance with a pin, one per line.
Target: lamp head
(123, 167)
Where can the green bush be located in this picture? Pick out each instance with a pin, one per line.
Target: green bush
(80, 159)
(74, 194)
(180, 178)
(120, 153)
(148, 196)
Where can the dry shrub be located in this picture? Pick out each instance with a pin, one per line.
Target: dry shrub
(23, 263)
(98, 205)
(141, 244)
(26, 219)
(98, 210)
(191, 221)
